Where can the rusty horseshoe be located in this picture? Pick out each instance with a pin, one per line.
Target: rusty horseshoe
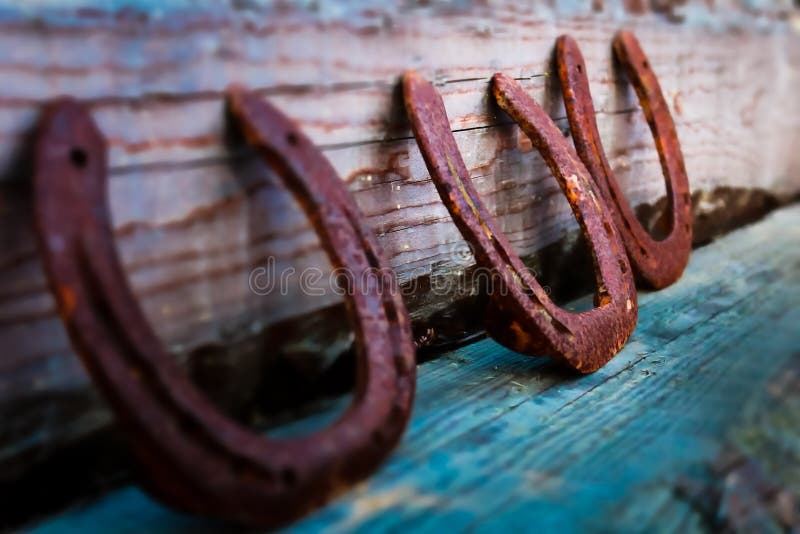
(192, 456)
(521, 315)
(657, 263)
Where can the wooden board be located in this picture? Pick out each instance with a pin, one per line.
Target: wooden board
(693, 426)
(192, 223)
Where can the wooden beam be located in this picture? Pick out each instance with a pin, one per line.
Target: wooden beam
(696, 414)
(192, 224)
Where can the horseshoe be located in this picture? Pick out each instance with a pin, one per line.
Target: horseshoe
(192, 456)
(657, 263)
(521, 315)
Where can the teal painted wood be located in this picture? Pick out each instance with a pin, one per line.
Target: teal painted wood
(501, 441)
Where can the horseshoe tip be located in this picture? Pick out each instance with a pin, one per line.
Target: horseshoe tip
(235, 93)
(414, 82)
(565, 41)
(500, 80)
(624, 38)
(68, 121)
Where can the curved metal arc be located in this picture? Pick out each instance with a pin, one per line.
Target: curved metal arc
(522, 315)
(193, 456)
(658, 263)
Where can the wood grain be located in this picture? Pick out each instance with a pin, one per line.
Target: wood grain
(191, 225)
(707, 388)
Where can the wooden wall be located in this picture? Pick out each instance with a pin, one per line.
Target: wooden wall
(193, 219)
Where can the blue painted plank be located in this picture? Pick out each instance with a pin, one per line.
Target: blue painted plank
(500, 441)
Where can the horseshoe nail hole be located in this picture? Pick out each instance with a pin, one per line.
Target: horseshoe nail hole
(288, 476)
(607, 226)
(378, 438)
(78, 157)
(397, 413)
(643, 251)
(136, 373)
(623, 267)
(580, 68)
(645, 64)
(400, 366)
(292, 139)
(391, 314)
(188, 427)
(238, 467)
(241, 469)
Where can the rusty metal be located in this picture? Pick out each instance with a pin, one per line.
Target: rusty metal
(192, 456)
(521, 315)
(657, 263)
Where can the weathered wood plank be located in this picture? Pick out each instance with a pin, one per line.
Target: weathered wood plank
(501, 441)
(191, 225)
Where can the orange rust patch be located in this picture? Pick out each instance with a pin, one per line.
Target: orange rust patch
(66, 296)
